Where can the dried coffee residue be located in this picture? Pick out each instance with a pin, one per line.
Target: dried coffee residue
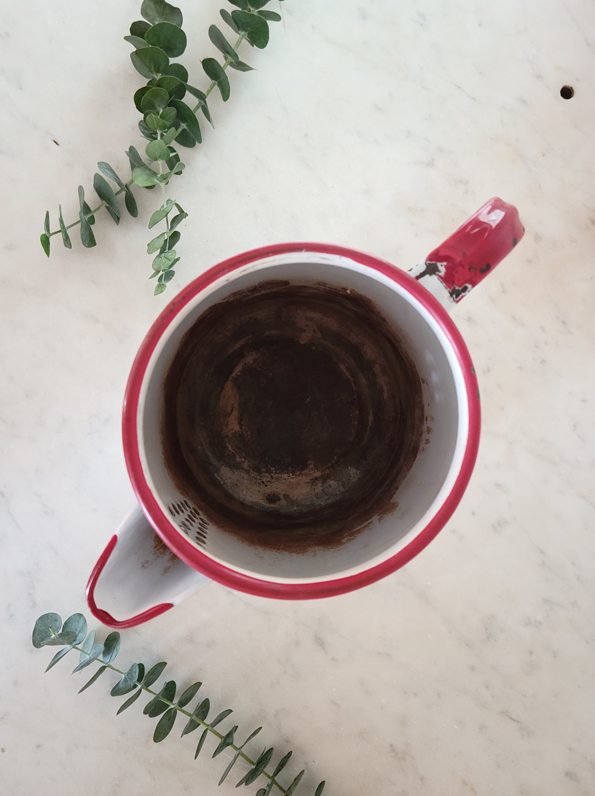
(291, 415)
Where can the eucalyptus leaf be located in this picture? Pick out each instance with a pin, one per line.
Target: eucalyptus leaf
(155, 122)
(68, 243)
(165, 725)
(229, 767)
(190, 692)
(218, 719)
(160, 214)
(226, 17)
(168, 137)
(257, 769)
(241, 4)
(154, 674)
(96, 676)
(65, 637)
(255, 5)
(87, 236)
(89, 658)
(177, 70)
(214, 70)
(281, 764)
(111, 647)
(252, 735)
(320, 788)
(294, 784)
(156, 706)
(88, 213)
(141, 672)
(222, 44)
(107, 170)
(45, 627)
(105, 193)
(154, 100)
(177, 220)
(167, 276)
(46, 223)
(58, 657)
(136, 42)
(139, 28)
(127, 683)
(203, 737)
(87, 645)
(130, 203)
(196, 92)
(138, 97)
(129, 701)
(157, 150)
(144, 178)
(150, 61)
(241, 66)
(188, 120)
(226, 741)
(161, 263)
(200, 713)
(169, 116)
(45, 243)
(272, 16)
(136, 162)
(168, 37)
(159, 288)
(146, 131)
(173, 85)
(154, 245)
(155, 11)
(254, 26)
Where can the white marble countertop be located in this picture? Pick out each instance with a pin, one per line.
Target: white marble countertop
(381, 126)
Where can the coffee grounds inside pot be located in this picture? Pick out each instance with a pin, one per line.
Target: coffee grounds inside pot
(291, 415)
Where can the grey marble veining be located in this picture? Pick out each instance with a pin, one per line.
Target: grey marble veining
(380, 126)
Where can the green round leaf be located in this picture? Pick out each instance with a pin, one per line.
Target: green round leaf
(187, 120)
(157, 150)
(256, 4)
(130, 203)
(226, 17)
(45, 240)
(173, 85)
(184, 138)
(167, 276)
(111, 647)
(254, 26)
(167, 721)
(154, 245)
(168, 37)
(129, 702)
(139, 28)
(215, 71)
(127, 683)
(45, 627)
(136, 42)
(145, 178)
(270, 15)
(138, 96)
(177, 70)
(154, 100)
(222, 44)
(159, 288)
(241, 4)
(146, 131)
(161, 263)
(168, 115)
(150, 61)
(159, 11)
(154, 674)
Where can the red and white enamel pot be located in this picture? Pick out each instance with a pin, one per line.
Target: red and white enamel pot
(167, 548)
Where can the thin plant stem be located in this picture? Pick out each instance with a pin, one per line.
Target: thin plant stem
(207, 726)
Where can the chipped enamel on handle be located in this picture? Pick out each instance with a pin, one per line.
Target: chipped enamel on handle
(459, 264)
(137, 577)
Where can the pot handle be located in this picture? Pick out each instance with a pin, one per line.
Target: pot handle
(459, 264)
(138, 577)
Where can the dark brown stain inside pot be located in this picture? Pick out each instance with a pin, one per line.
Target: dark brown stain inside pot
(291, 415)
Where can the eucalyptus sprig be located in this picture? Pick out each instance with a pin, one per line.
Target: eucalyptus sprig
(156, 39)
(72, 635)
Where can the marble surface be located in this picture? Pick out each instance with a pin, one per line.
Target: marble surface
(381, 126)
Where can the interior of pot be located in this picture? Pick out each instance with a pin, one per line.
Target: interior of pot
(416, 499)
